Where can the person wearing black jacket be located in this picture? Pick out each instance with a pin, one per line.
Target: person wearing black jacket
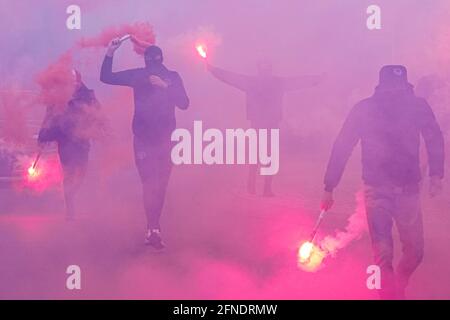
(157, 91)
(389, 125)
(72, 129)
(264, 97)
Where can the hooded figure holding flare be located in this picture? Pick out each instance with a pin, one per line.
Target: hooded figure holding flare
(72, 126)
(157, 92)
(389, 125)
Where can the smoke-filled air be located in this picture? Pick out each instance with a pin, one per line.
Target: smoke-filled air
(224, 149)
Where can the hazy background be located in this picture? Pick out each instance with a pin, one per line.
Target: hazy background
(222, 243)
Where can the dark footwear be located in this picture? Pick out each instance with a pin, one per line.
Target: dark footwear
(153, 239)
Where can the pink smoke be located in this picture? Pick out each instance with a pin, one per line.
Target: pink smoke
(356, 226)
(14, 130)
(57, 82)
(142, 36)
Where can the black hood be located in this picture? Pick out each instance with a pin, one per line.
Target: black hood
(153, 57)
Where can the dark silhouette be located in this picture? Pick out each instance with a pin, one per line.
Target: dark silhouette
(72, 129)
(389, 125)
(264, 95)
(157, 91)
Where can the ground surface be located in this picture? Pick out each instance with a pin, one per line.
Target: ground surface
(222, 243)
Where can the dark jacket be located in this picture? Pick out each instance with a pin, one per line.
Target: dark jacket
(154, 115)
(264, 94)
(389, 125)
(66, 128)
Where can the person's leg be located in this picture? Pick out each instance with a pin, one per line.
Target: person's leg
(73, 178)
(155, 190)
(154, 166)
(379, 208)
(408, 219)
(251, 182)
(268, 186)
(268, 180)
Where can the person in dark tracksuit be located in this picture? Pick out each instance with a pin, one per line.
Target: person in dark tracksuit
(389, 125)
(157, 91)
(71, 128)
(264, 94)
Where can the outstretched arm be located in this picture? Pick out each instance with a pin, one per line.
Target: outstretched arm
(300, 82)
(233, 79)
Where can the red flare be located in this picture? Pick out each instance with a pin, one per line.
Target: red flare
(201, 49)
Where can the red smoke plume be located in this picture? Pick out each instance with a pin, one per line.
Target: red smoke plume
(57, 82)
(142, 36)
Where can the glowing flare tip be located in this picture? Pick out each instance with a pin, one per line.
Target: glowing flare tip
(32, 172)
(201, 51)
(305, 251)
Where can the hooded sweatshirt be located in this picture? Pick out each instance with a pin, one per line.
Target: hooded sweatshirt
(154, 107)
(389, 125)
(68, 128)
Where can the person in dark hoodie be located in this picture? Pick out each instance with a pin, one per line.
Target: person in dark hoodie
(264, 94)
(71, 128)
(389, 125)
(157, 91)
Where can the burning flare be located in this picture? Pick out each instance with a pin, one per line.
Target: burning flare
(201, 49)
(305, 251)
(32, 172)
(310, 257)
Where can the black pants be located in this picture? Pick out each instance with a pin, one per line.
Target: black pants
(74, 161)
(154, 166)
(73, 178)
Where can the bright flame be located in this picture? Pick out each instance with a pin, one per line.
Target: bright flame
(310, 257)
(32, 172)
(201, 49)
(305, 251)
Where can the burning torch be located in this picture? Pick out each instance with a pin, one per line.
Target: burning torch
(202, 51)
(32, 172)
(309, 255)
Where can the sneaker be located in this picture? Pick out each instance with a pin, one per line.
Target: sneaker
(153, 239)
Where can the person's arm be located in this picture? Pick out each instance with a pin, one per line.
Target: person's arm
(50, 130)
(434, 142)
(122, 78)
(233, 79)
(177, 92)
(300, 82)
(343, 146)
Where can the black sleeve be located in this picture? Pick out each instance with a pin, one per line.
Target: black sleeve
(236, 80)
(434, 141)
(122, 78)
(342, 149)
(49, 134)
(177, 92)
